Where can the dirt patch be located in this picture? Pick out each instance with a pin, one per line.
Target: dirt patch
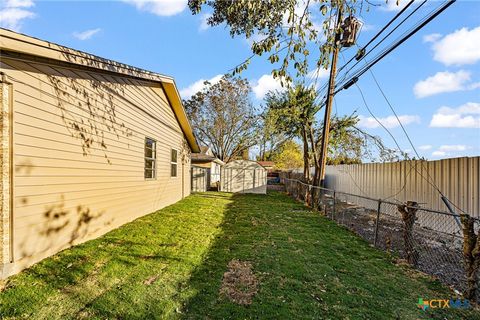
(150, 280)
(239, 283)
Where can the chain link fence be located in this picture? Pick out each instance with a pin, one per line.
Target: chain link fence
(429, 240)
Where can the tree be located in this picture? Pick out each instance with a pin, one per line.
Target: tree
(283, 29)
(270, 138)
(288, 156)
(294, 113)
(223, 117)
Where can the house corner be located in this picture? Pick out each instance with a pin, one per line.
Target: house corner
(6, 169)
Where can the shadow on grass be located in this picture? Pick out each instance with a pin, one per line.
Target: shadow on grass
(308, 267)
(170, 264)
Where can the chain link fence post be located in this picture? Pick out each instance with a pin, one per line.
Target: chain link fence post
(334, 203)
(377, 222)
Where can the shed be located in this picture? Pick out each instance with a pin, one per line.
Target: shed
(244, 176)
(87, 144)
(206, 159)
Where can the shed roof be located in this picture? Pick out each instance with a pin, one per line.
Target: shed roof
(202, 157)
(244, 164)
(266, 163)
(25, 45)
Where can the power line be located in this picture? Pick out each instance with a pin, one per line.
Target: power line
(361, 54)
(360, 72)
(379, 33)
(323, 88)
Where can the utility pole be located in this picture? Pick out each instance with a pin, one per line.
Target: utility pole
(319, 177)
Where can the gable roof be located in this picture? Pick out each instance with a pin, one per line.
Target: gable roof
(266, 163)
(19, 43)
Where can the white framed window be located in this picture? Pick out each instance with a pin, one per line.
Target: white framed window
(173, 163)
(150, 159)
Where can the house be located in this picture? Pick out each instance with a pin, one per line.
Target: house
(87, 144)
(269, 165)
(206, 159)
(244, 176)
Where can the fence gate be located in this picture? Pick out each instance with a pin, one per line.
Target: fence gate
(199, 179)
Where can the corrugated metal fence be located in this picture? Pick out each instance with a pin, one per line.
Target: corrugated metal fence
(458, 179)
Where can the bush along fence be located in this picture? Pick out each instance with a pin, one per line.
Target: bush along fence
(438, 243)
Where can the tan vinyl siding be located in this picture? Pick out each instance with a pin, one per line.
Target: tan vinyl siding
(79, 154)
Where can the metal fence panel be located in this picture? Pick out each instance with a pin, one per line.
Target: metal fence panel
(458, 179)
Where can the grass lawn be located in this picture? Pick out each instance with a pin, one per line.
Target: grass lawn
(170, 264)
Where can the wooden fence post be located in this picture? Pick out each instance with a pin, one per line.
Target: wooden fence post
(408, 212)
(471, 254)
(334, 203)
(377, 222)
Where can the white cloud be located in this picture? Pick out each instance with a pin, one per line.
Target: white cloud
(19, 3)
(87, 34)
(458, 48)
(394, 5)
(465, 116)
(431, 37)
(265, 84)
(319, 73)
(368, 27)
(14, 12)
(449, 149)
(197, 86)
(388, 122)
(439, 154)
(160, 7)
(256, 37)
(425, 147)
(204, 22)
(444, 82)
(365, 26)
(453, 147)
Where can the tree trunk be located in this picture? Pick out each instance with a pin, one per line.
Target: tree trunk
(316, 179)
(306, 161)
(408, 217)
(471, 255)
(315, 192)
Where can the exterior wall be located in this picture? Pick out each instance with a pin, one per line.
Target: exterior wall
(206, 165)
(78, 155)
(215, 174)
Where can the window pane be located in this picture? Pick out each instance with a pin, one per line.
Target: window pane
(149, 143)
(149, 174)
(150, 155)
(174, 155)
(173, 170)
(149, 164)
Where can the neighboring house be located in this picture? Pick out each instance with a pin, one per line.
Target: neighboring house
(244, 176)
(87, 144)
(206, 159)
(269, 165)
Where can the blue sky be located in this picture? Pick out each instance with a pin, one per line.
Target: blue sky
(432, 80)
